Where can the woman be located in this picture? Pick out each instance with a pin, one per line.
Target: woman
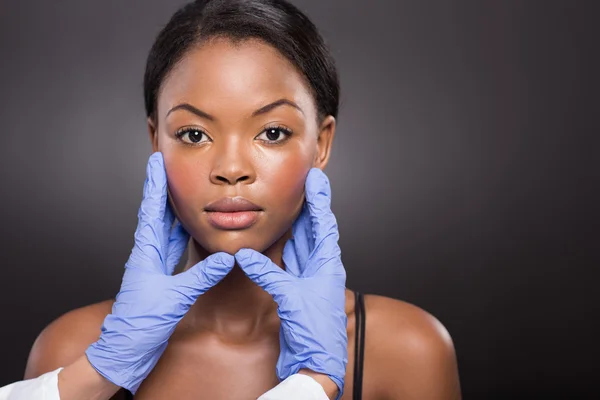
(242, 100)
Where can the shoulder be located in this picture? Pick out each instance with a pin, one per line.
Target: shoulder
(409, 350)
(399, 323)
(66, 338)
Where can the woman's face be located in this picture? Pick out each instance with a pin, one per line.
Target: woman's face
(226, 140)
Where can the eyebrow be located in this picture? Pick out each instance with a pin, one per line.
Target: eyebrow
(262, 110)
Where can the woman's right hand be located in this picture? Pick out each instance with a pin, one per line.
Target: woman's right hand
(152, 300)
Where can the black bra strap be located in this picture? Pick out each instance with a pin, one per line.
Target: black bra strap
(359, 345)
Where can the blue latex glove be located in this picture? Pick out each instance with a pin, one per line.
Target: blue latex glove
(151, 301)
(310, 292)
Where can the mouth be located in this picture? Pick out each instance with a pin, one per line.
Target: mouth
(232, 213)
(233, 220)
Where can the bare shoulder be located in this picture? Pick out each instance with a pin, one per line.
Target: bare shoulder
(408, 351)
(410, 323)
(66, 338)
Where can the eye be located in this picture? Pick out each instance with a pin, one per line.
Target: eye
(193, 135)
(274, 132)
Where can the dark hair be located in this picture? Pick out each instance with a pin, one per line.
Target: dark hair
(276, 22)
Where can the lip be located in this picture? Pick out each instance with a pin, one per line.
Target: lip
(232, 204)
(231, 213)
(233, 220)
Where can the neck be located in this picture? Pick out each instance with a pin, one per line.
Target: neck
(235, 307)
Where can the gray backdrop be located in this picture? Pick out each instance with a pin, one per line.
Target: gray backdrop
(464, 172)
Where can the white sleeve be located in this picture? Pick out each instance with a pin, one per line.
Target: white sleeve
(296, 387)
(44, 387)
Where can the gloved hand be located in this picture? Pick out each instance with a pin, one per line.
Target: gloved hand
(151, 301)
(310, 292)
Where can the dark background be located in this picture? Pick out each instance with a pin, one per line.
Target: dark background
(465, 171)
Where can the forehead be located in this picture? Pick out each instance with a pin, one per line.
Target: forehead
(241, 76)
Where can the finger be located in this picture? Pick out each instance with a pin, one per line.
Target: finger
(303, 236)
(167, 231)
(149, 249)
(323, 222)
(178, 241)
(290, 258)
(261, 270)
(297, 249)
(169, 217)
(154, 202)
(318, 201)
(207, 273)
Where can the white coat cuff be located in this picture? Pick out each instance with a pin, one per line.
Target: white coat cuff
(44, 387)
(296, 387)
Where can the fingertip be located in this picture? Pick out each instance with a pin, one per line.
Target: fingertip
(154, 161)
(211, 270)
(155, 172)
(313, 175)
(157, 156)
(243, 254)
(224, 258)
(317, 182)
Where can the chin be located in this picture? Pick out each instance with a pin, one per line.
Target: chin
(232, 241)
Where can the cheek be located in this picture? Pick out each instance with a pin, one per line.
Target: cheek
(289, 183)
(186, 177)
(285, 181)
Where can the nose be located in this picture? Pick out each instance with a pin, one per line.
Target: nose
(232, 164)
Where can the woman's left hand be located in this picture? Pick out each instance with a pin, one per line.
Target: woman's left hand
(310, 292)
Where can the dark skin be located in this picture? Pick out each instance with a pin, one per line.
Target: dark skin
(227, 345)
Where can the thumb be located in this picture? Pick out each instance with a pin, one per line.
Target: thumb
(290, 258)
(178, 241)
(261, 270)
(206, 274)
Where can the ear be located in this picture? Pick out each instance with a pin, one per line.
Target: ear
(324, 142)
(152, 131)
